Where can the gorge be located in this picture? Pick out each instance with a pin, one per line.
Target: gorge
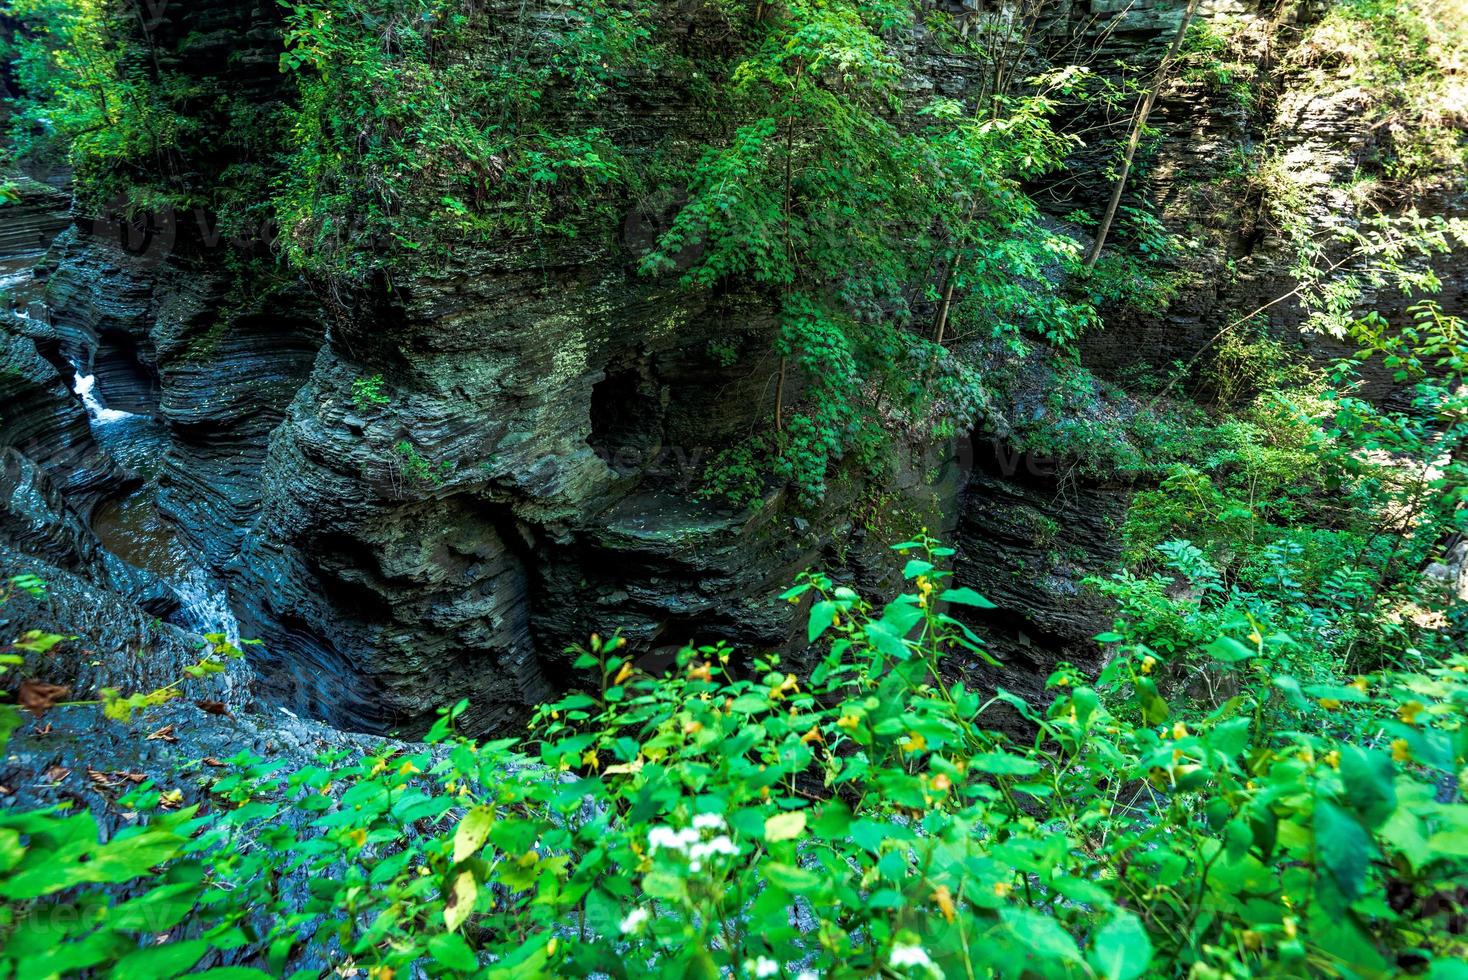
(401, 347)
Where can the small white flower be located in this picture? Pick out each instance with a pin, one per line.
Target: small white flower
(719, 845)
(708, 821)
(910, 956)
(667, 837)
(762, 967)
(634, 920)
(807, 975)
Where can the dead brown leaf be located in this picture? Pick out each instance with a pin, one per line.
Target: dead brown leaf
(214, 707)
(164, 734)
(56, 773)
(38, 697)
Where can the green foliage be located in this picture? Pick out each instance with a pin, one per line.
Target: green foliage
(843, 217)
(1406, 58)
(417, 468)
(1211, 56)
(367, 392)
(94, 92)
(725, 818)
(423, 125)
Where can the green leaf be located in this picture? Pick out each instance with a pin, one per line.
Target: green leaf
(785, 826)
(916, 567)
(1230, 651)
(822, 615)
(798, 881)
(1004, 764)
(168, 960)
(450, 949)
(966, 597)
(1042, 934)
(1342, 846)
(1369, 778)
(1122, 950)
(472, 832)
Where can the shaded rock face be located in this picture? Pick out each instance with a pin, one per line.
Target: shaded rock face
(514, 486)
(1028, 536)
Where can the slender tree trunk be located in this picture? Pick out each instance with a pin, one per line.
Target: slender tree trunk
(1135, 138)
(942, 318)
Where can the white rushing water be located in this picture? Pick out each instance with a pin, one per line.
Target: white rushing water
(85, 389)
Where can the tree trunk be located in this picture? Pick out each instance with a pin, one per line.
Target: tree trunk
(1135, 138)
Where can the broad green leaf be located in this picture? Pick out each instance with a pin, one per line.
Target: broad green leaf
(822, 615)
(1004, 764)
(785, 826)
(1369, 778)
(966, 597)
(450, 949)
(1229, 651)
(473, 831)
(1342, 846)
(167, 960)
(1121, 950)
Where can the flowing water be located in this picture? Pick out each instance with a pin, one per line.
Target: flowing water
(132, 528)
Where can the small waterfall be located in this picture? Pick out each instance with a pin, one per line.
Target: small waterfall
(206, 610)
(206, 605)
(85, 389)
(132, 528)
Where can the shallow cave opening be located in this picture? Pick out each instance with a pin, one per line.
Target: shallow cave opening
(627, 419)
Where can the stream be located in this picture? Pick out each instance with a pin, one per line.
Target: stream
(131, 527)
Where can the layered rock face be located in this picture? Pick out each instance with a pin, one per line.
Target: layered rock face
(425, 492)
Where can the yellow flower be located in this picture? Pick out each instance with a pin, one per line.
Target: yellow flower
(1002, 888)
(849, 722)
(944, 898)
(407, 769)
(913, 743)
(692, 727)
(814, 735)
(590, 760)
(1179, 730)
(1409, 711)
(623, 674)
(1148, 662)
(1401, 750)
(381, 973)
(788, 685)
(942, 783)
(358, 836)
(1329, 704)
(1359, 684)
(1333, 759)
(700, 672)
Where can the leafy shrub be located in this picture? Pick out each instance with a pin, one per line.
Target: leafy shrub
(729, 817)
